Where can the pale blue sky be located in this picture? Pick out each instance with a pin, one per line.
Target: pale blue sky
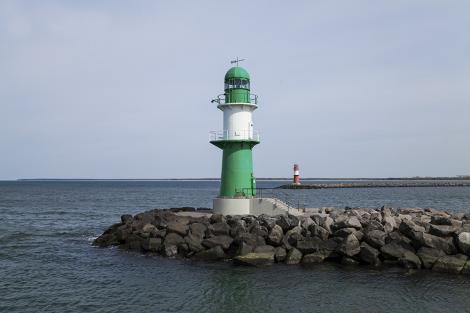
(122, 89)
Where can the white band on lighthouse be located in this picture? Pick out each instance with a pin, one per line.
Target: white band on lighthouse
(296, 173)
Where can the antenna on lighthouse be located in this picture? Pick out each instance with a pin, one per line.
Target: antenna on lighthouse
(236, 61)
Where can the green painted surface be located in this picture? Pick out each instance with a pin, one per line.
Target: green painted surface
(237, 72)
(237, 86)
(237, 168)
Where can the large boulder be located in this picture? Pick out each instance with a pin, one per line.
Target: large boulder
(251, 239)
(369, 254)
(450, 263)
(409, 228)
(309, 245)
(393, 250)
(198, 229)
(318, 231)
(431, 241)
(389, 223)
(280, 254)
(344, 232)
(263, 249)
(220, 228)
(441, 220)
(126, 218)
(294, 256)
(178, 228)
(212, 254)
(429, 256)
(152, 244)
(255, 259)
(345, 221)
(221, 240)
(409, 260)
(193, 242)
(350, 246)
(466, 268)
(463, 241)
(275, 235)
(173, 239)
(243, 248)
(217, 218)
(375, 238)
(316, 257)
(287, 222)
(442, 230)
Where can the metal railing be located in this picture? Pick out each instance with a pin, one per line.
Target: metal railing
(221, 99)
(284, 198)
(234, 135)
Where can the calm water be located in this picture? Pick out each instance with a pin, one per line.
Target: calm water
(48, 265)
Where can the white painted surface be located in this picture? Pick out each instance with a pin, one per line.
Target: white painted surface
(296, 173)
(232, 206)
(238, 120)
(253, 206)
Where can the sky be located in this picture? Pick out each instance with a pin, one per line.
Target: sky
(122, 89)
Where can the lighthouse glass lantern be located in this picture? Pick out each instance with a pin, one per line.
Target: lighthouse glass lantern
(236, 140)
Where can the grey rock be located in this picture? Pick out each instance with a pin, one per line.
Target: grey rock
(244, 248)
(220, 228)
(463, 241)
(389, 223)
(221, 240)
(255, 259)
(344, 232)
(170, 250)
(441, 220)
(466, 268)
(318, 231)
(315, 257)
(287, 222)
(173, 239)
(280, 254)
(393, 250)
(275, 235)
(263, 249)
(429, 256)
(346, 222)
(409, 228)
(442, 230)
(409, 260)
(348, 261)
(198, 229)
(309, 245)
(212, 254)
(350, 246)
(193, 242)
(376, 238)
(126, 218)
(259, 230)
(152, 244)
(267, 221)
(369, 254)
(294, 256)
(251, 239)
(178, 228)
(431, 241)
(217, 218)
(450, 263)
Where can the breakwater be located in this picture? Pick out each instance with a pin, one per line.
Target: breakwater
(377, 184)
(412, 238)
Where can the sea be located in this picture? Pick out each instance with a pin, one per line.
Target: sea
(48, 263)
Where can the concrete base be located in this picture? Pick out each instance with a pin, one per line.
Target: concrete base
(252, 206)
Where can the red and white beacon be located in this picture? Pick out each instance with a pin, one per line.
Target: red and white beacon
(296, 174)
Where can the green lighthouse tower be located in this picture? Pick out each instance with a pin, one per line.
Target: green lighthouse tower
(237, 139)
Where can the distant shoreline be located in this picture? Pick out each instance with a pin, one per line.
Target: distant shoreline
(259, 179)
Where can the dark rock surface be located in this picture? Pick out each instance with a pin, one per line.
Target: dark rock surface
(412, 238)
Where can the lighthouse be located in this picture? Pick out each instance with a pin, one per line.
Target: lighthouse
(236, 140)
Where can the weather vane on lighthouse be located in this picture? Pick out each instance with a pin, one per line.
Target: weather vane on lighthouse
(236, 61)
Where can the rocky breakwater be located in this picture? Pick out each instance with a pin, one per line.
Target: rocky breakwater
(410, 238)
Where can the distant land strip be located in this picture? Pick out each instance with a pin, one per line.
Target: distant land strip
(389, 184)
(453, 178)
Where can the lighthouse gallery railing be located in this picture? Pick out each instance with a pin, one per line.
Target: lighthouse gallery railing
(234, 135)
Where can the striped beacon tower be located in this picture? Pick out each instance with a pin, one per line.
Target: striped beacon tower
(296, 175)
(237, 139)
